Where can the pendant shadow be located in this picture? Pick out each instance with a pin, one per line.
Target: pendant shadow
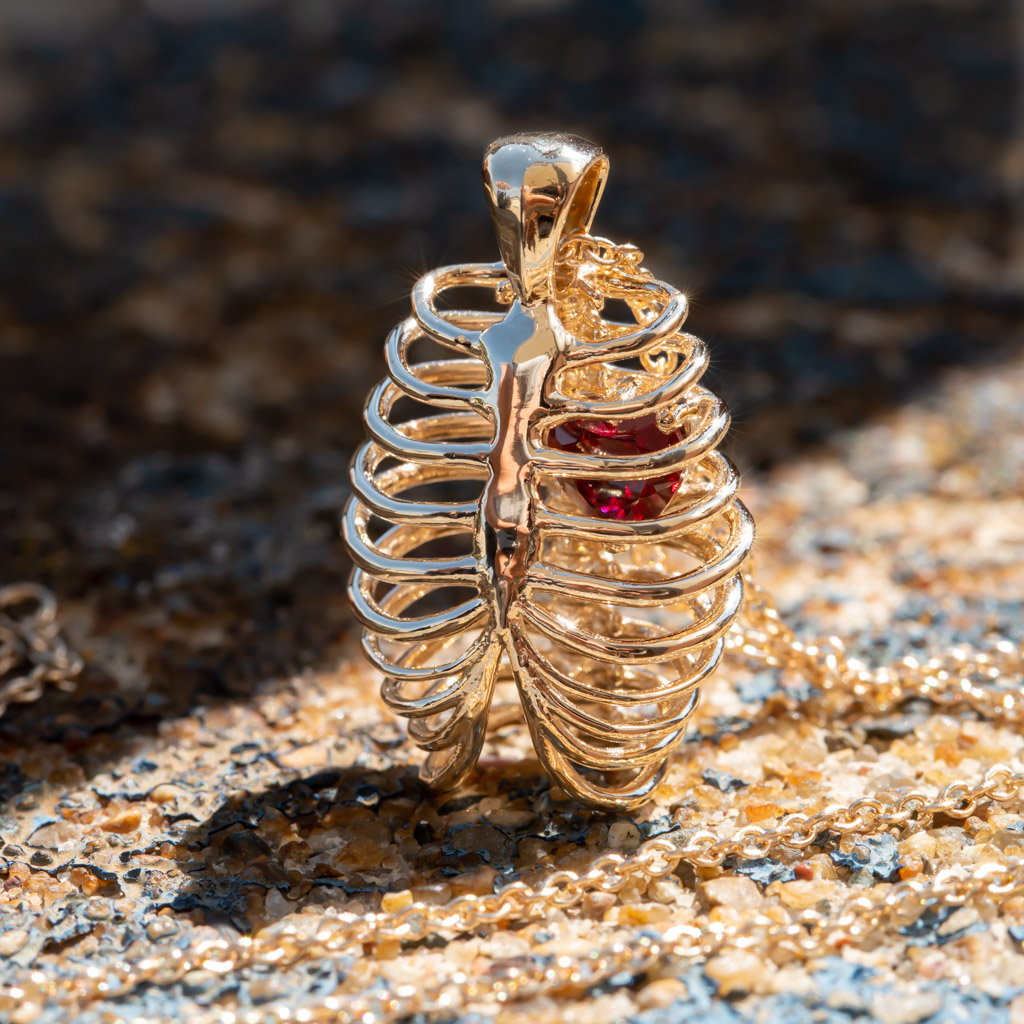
(344, 837)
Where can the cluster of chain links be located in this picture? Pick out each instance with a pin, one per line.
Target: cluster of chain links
(958, 676)
(32, 652)
(593, 269)
(808, 934)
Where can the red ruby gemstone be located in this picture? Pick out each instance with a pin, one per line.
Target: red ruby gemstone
(620, 499)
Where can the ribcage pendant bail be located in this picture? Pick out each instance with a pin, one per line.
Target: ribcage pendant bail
(554, 510)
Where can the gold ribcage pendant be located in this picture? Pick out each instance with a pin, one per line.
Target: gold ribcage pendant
(493, 533)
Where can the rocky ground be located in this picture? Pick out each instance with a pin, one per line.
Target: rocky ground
(297, 802)
(212, 214)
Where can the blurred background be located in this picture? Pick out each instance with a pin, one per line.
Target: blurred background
(211, 212)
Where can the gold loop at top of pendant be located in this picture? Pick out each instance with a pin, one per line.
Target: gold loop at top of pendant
(541, 186)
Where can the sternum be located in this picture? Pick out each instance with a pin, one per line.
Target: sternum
(520, 351)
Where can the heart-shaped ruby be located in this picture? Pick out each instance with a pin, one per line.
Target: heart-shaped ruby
(620, 499)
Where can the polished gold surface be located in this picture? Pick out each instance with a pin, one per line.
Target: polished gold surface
(607, 626)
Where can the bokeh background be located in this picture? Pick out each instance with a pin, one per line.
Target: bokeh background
(211, 212)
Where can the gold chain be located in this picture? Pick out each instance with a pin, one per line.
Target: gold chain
(32, 653)
(807, 935)
(592, 269)
(959, 676)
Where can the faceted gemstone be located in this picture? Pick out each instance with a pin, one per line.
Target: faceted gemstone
(620, 499)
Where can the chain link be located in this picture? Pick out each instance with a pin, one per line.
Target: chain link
(590, 270)
(32, 653)
(959, 676)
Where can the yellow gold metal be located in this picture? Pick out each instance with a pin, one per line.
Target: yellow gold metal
(472, 555)
(33, 655)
